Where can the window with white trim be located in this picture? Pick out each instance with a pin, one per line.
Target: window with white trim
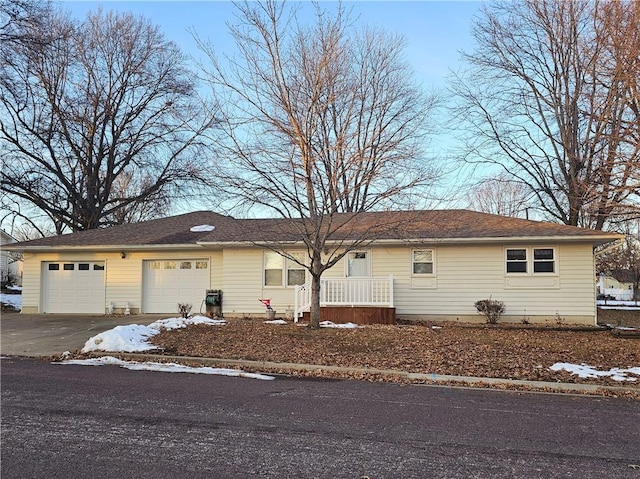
(422, 262)
(296, 273)
(273, 268)
(544, 260)
(530, 260)
(517, 260)
(280, 271)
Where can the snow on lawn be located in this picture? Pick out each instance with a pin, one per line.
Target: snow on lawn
(276, 321)
(329, 324)
(586, 371)
(13, 300)
(133, 338)
(163, 367)
(614, 304)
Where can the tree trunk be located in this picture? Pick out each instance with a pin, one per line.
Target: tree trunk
(314, 312)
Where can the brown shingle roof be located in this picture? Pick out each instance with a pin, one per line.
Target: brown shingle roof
(392, 225)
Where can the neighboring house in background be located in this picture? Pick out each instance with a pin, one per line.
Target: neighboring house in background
(10, 267)
(434, 267)
(609, 286)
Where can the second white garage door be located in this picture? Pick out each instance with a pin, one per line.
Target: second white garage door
(169, 282)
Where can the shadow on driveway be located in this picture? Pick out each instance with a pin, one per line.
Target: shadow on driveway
(52, 334)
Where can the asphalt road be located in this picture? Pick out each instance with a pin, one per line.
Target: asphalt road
(107, 422)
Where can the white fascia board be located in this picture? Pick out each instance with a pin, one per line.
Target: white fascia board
(515, 239)
(599, 239)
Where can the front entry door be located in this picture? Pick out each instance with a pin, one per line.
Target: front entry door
(358, 264)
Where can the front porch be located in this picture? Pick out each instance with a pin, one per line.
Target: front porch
(361, 300)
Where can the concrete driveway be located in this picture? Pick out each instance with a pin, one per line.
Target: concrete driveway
(52, 334)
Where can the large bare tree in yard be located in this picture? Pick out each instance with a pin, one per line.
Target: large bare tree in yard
(99, 120)
(322, 122)
(552, 97)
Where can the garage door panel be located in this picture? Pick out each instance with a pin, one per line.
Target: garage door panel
(169, 282)
(73, 287)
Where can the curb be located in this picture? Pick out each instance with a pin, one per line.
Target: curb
(442, 379)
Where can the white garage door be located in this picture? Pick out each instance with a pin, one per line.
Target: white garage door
(73, 287)
(169, 282)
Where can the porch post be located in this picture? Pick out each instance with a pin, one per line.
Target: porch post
(391, 291)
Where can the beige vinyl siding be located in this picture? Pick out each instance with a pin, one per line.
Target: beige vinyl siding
(31, 283)
(124, 282)
(244, 285)
(242, 275)
(464, 274)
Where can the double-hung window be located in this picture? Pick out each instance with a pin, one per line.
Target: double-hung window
(544, 260)
(280, 271)
(531, 261)
(517, 260)
(273, 268)
(422, 262)
(296, 273)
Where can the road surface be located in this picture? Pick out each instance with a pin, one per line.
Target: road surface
(107, 422)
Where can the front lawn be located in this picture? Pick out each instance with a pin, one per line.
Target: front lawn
(485, 351)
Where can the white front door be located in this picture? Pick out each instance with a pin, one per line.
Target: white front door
(358, 264)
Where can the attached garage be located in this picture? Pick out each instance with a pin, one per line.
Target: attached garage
(169, 282)
(73, 287)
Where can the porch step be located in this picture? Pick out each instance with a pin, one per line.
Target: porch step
(355, 314)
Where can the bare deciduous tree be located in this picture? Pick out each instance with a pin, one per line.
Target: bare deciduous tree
(323, 122)
(500, 195)
(93, 104)
(552, 97)
(19, 17)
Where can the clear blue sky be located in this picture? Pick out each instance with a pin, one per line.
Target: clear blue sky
(435, 30)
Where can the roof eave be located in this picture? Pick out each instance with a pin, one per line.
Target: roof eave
(596, 240)
(592, 239)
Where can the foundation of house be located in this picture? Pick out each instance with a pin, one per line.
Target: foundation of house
(355, 314)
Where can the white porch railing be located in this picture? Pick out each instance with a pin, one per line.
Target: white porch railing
(346, 292)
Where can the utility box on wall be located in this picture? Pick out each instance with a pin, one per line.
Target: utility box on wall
(213, 303)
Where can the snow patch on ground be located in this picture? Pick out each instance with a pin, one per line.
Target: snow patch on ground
(276, 321)
(614, 304)
(133, 338)
(13, 300)
(329, 324)
(585, 371)
(164, 367)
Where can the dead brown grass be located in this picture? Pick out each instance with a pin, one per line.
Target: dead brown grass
(485, 351)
